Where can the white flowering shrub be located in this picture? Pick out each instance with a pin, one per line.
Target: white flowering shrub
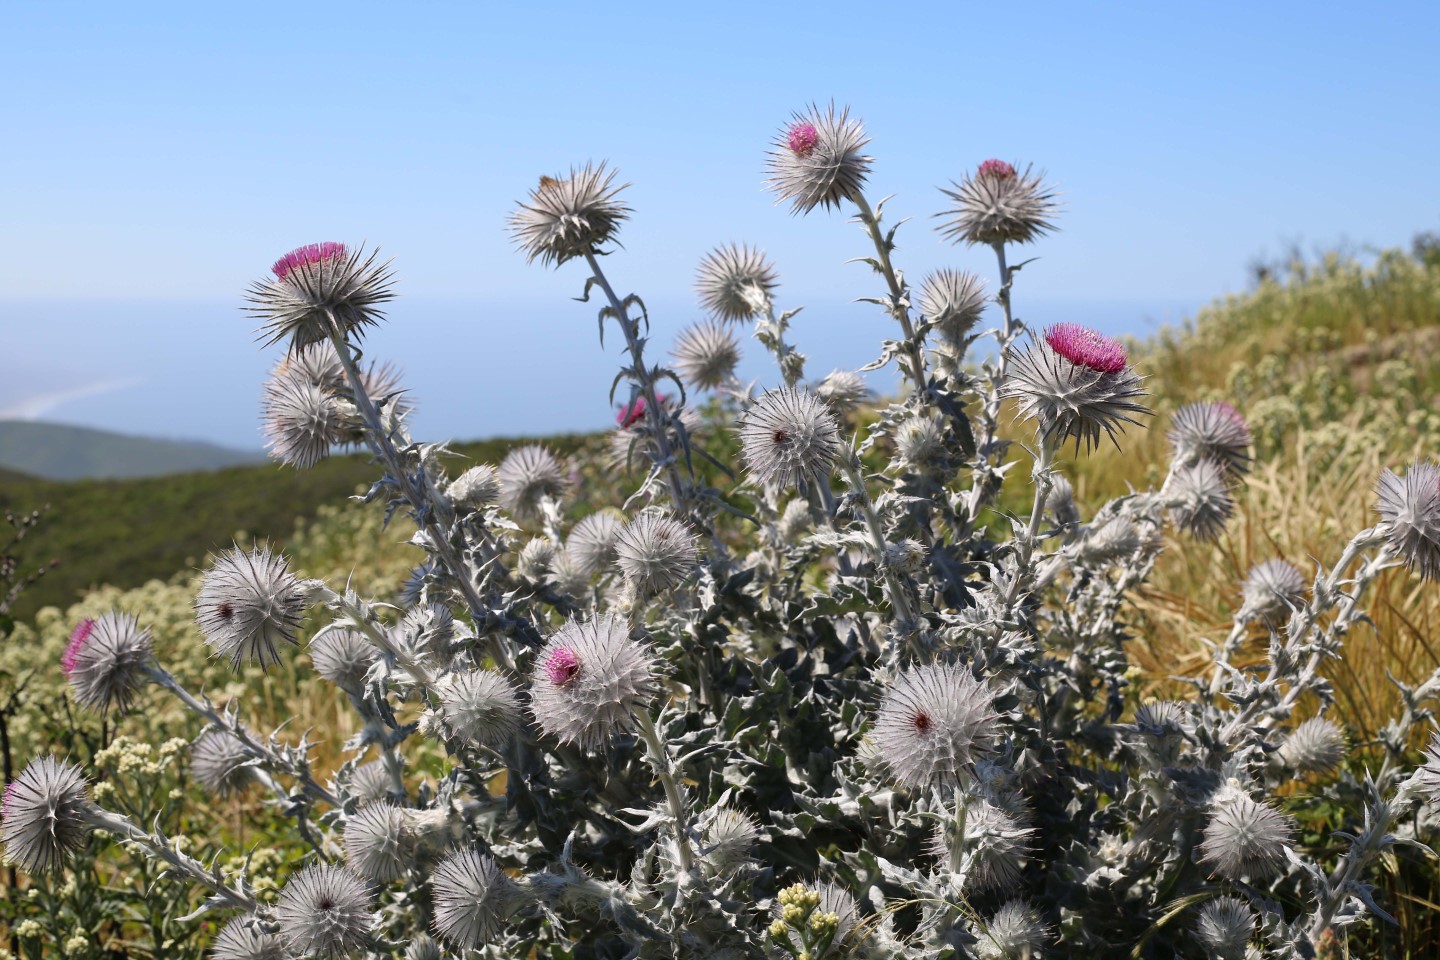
(812, 688)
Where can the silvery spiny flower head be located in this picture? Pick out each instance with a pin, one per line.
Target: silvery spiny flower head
(320, 289)
(843, 390)
(479, 707)
(1060, 501)
(905, 556)
(1245, 838)
(817, 160)
(1014, 932)
(477, 487)
(730, 836)
(1427, 777)
(370, 782)
(300, 419)
(795, 521)
(706, 355)
(1205, 503)
(569, 217)
(592, 540)
(249, 602)
(568, 578)
(422, 947)
(933, 722)
(1075, 382)
(999, 204)
(1110, 542)
(1271, 591)
(1315, 746)
(953, 301)
(590, 679)
(324, 911)
(473, 899)
(105, 661)
(790, 438)
(245, 938)
(536, 559)
(374, 840)
(42, 815)
(343, 657)
(1224, 927)
(529, 475)
(1211, 431)
(735, 282)
(1161, 725)
(992, 850)
(654, 552)
(919, 440)
(220, 763)
(1410, 506)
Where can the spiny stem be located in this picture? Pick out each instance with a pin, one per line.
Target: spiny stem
(156, 848)
(898, 601)
(897, 292)
(660, 760)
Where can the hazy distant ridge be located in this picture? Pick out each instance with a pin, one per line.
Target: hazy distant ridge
(61, 452)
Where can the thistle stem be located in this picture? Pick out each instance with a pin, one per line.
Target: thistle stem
(158, 849)
(1044, 477)
(897, 292)
(660, 760)
(898, 601)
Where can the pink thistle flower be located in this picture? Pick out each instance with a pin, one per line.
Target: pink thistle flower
(1086, 347)
(5, 802)
(996, 168)
(78, 638)
(633, 412)
(561, 666)
(802, 138)
(306, 255)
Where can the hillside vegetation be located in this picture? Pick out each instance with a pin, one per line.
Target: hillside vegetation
(58, 451)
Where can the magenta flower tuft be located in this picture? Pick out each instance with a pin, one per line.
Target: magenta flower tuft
(996, 168)
(633, 412)
(304, 256)
(78, 638)
(802, 138)
(562, 665)
(1086, 347)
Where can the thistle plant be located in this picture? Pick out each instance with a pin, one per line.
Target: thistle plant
(823, 697)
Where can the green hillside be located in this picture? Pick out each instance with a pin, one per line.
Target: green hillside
(61, 452)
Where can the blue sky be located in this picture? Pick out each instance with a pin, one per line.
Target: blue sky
(157, 157)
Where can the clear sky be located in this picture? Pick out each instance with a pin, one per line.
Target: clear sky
(156, 157)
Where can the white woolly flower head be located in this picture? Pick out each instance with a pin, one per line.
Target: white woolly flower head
(423, 947)
(249, 602)
(790, 438)
(730, 836)
(530, 475)
(934, 720)
(568, 217)
(592, 540)
(1410, 507)
(953, 301)
(1015, 932)
(473, 899)
(1060, 501)
(1224, 927)
(985, 843)
(246, 938)
(655, 552)
(735, 282)
(105, 661)
(1205, 503)
(370, 782)
(999, 204)
(706, 355)
(1427, 777)
(1211, 431)
(1315, 746)
(1245, 838)
(324, 911)
(589, 681)
(843, 390)
(1271, 590)
(301, 421)
(817, 161)
(320, 289)
(919, 440)
(343, 657)
(1075, 382)
(477, 487)
(479, 707)
(42, 815)
(536, 559)
(220, 763)
(374, 842)
(1110, 542)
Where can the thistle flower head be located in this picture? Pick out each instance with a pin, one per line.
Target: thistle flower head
(422, 947)
(999, 205)
(105, 661)
(953, 301)
(1204, 503)
(42, 815)
(1224, 927)
(789, 437)
(632, 428)
(373, 842)
(933, 722)
(592, 541)
(220, 763)
(370, 782)
(835, 899)
(528, 476)
(479, 707)
(536, 559)
(320, 289)
(1427, 777)
(987, 844)
(1246, 839)
(477, 487)
(706, 355)
(1211, 431)
(343, 657)
(1410, 506)
(1075, 382)
(1110, 542)
(245, 938)
(729, 837)
(919, 440)
(1015, 932)
(473, 898)
(817, 161)
(569, 217)
(1060, 501)
(654, 552)
(1315, 746)
(324, 911)
(300, 419)
(1272, 589)
(735, 282)
(249, 602)
(843, 390)
(633, 412)
(590, 679)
